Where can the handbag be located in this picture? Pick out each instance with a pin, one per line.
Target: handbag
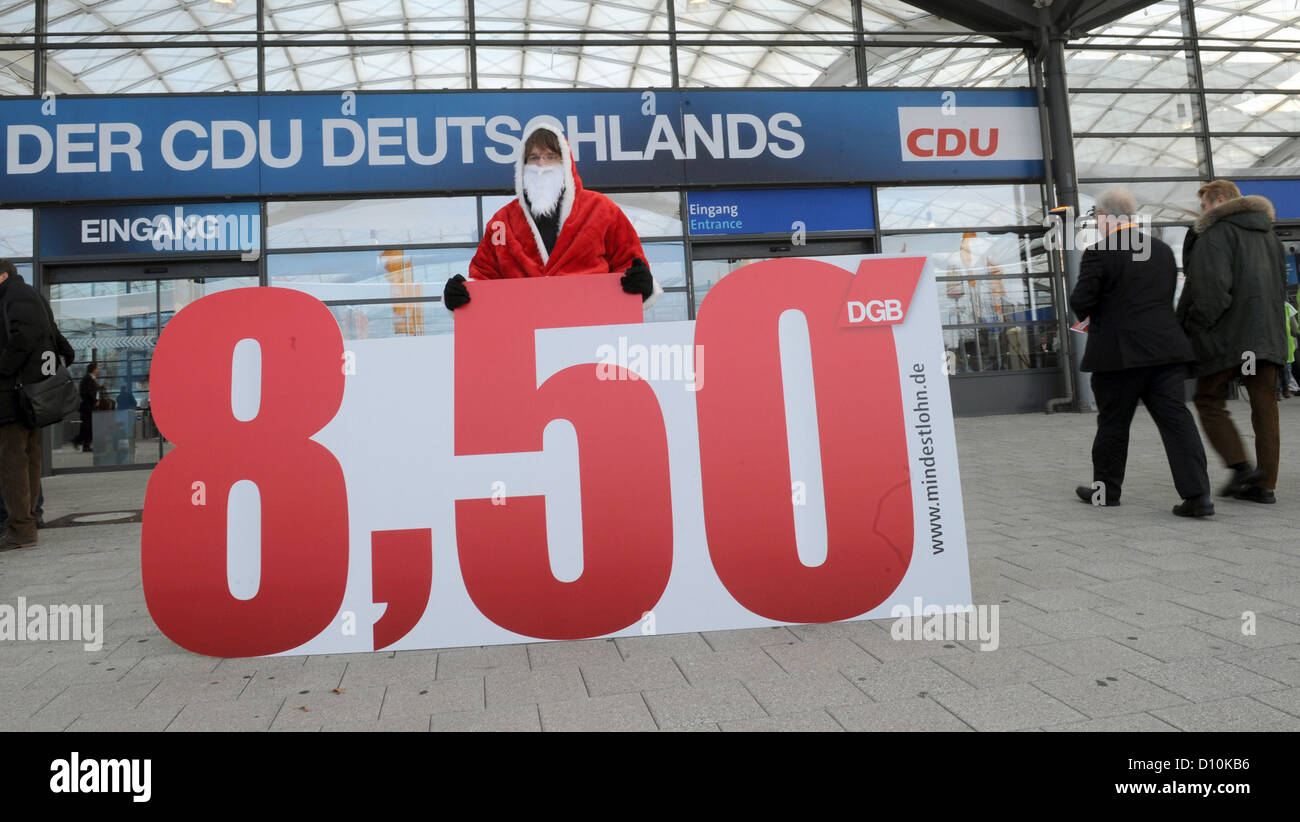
(48, 401)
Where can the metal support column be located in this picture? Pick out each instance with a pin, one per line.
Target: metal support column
(1061, 134)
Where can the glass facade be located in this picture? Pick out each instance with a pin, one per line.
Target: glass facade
(1161, 100)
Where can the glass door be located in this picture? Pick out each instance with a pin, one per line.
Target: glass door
(115, 324)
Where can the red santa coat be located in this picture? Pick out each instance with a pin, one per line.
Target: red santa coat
(594, 235)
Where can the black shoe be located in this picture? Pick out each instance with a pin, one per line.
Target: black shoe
(1085, 492)
(40, 522)
(1195, 507)
(1242, 478)
(1257, 493)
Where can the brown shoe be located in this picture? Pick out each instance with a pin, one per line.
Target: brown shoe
(11, 542)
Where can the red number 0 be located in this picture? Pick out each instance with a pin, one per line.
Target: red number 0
(623, 460)
(304, 528)
(744, 458)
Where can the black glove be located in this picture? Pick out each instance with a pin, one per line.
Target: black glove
(455, 294)
(637, 280)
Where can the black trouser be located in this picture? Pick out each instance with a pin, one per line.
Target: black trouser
(84, 433)
(1160, 388)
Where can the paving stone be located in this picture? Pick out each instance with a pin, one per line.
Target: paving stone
(741, 639)
(1239, 714)
(1006, 707)
(750, 663)
(163, 665)
(1154, 614)
(1184, 561)
(661, 646)
(551, 684)
(913, 714)
(1287, 701)
(1119, 724)
(1012, 633)
(369, 673)
(632, 676)
(1064, 599)
(822, 654)
(899, 680)
(808, 721)
(799, 693)
(356, 705)
(1281, 663)
(20, 704)
(177, 691)
(1001, 667)
(283, 682)
(508, 718)
(1053, 578)
(440, 696)
(107, 696)
(1075, 624)
(1268, 632)
(1288, 593)
(255, 714)
(1093, 656)
(480, 662)
(402, 723)
(1225, 604)
(879, 642)
(140, 719)
(620, 712)
(1201, 680)
(1206, 582)
(1179, 642)
(543, 654)
(697, 704)
(82, 670)
(150, 645)
(39, 723)
(1141, 590)
(1114, 694)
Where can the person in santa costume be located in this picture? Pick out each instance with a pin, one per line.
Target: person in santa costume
(555, 227)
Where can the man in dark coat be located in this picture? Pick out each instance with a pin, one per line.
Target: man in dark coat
(1231, 309)
(31, 341)
(1136, 352)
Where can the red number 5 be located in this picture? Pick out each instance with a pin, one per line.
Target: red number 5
(623, 461)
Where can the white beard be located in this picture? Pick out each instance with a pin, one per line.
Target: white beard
(543, 185)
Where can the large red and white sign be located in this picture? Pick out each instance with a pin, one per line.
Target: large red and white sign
(942, 135)
(558, 469)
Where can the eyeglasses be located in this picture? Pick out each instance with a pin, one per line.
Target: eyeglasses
(548, 157)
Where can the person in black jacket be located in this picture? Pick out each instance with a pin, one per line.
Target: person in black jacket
(31, 343)
(89, 390)
(1136, 351)
(1232, 310)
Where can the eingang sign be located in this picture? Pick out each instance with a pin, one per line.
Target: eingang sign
(112, 148)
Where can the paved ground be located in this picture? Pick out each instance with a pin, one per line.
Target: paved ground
(1111, 619)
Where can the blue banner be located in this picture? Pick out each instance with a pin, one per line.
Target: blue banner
(113, 148)
(150, 229)
(772, 211)
(1285, 195)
